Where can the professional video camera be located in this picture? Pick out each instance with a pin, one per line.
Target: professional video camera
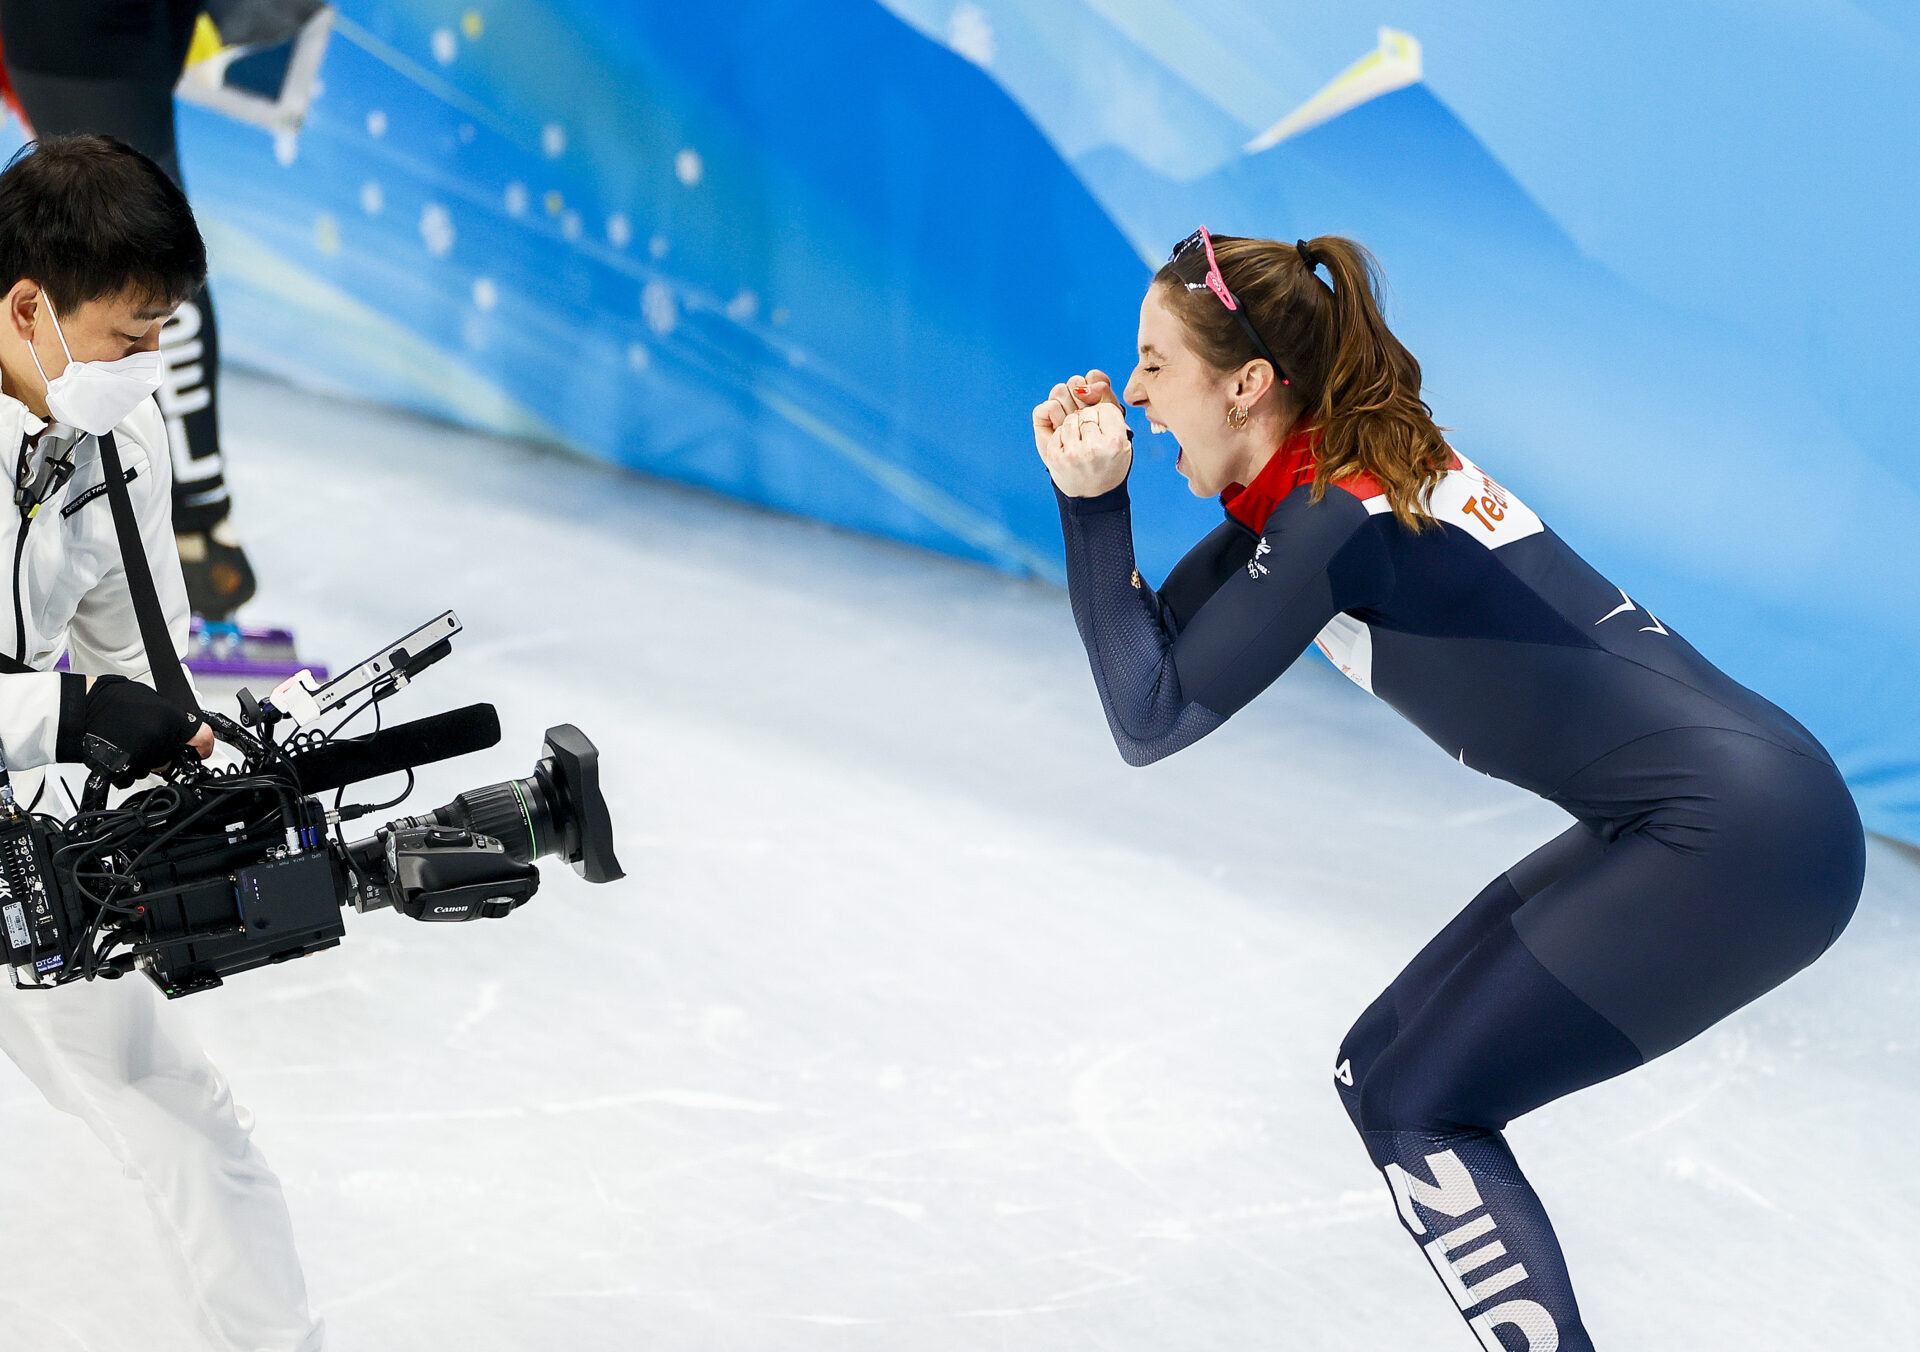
(217, 871)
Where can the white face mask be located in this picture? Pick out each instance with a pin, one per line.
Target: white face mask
(95, 396)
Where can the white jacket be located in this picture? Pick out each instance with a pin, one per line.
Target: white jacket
(66, 575)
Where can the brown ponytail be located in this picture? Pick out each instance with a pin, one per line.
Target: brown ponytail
(1348, 374)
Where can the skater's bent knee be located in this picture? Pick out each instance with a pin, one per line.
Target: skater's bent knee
(1372, 1033)
(1402, 1092)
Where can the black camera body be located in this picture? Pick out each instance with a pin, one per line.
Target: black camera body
(240, 911)
(214, 873)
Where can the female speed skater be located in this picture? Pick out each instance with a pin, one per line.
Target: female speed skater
(1715, 850)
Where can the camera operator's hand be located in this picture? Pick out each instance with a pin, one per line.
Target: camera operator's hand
(110, 721)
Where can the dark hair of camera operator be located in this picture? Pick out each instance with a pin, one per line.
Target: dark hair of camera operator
(97, 248)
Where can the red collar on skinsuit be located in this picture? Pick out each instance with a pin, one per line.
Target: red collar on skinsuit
(1292, 465)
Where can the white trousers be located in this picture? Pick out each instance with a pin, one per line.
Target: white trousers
(106, 1052)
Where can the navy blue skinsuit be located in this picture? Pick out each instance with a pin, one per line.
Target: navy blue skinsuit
(1715, 850)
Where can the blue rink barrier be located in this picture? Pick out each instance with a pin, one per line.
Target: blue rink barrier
(825, 257)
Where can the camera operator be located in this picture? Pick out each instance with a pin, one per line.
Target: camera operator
(110, 66)
(97, 248)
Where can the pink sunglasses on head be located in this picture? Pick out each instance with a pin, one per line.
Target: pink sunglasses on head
(1218, 285)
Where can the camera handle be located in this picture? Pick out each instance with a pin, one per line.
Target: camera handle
(439, 873)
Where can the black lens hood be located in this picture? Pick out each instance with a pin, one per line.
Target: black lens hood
(574, 763)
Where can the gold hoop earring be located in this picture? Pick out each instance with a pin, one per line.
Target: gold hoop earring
(1237, 417)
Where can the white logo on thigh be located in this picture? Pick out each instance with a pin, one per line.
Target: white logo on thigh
(1452, 1194)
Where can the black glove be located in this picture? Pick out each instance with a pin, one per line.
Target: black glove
(120, 727)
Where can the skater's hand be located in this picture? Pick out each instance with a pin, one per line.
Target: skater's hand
(1090, 452)
(134, 720)
(1066, 399)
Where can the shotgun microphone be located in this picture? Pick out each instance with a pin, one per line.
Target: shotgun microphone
(336, 764)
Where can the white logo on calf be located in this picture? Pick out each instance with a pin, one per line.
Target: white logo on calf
(1534, 1323)
(1453, 1270)
(1452, 1193)
(183, 390)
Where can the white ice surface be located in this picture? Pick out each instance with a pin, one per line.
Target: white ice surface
(921, 1022)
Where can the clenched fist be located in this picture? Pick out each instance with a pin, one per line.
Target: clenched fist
(1080, 430)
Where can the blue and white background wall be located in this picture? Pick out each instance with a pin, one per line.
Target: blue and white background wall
(1657, 261)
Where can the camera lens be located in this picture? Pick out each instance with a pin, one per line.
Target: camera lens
(555, 811)
(516, 812)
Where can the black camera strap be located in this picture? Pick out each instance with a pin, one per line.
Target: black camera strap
(168, 676)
